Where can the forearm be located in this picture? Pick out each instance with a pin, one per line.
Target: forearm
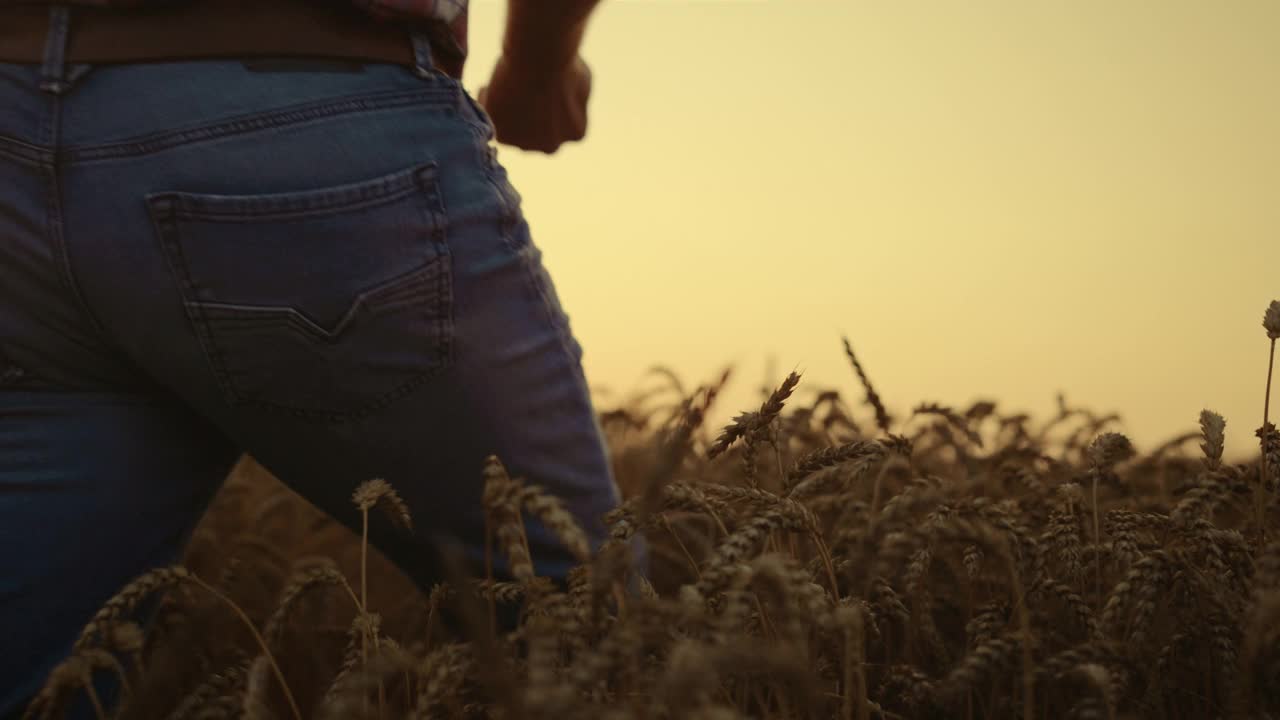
(546, 32)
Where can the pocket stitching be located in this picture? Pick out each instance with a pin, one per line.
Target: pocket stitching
(164, 216)
(312, 203)
(424, 179)
(365, 301)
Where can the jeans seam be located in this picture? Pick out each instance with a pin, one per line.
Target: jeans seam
(444, 280)
(487, 156)
(551, 312)
(53, 217)
(283, 117)
(511, 218)
(163, 217)
(307, 203)
(560, 327)
(25, 153)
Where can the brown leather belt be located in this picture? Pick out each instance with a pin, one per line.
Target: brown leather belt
(205, 29)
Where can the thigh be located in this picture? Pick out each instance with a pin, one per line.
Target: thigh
(95, 489)
(102, 472)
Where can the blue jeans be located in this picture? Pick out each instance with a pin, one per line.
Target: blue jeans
(327, 269)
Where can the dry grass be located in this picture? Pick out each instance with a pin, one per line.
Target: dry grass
(965, 563)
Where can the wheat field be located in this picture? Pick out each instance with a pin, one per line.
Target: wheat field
(815, 558)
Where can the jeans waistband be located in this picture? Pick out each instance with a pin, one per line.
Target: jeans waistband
(60, 36)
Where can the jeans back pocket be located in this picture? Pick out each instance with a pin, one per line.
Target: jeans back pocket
(326, 303)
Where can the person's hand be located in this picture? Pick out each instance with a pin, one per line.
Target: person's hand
(536, 108)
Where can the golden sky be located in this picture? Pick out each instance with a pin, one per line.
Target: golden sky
(993, 198)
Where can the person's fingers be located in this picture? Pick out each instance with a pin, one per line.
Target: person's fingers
(539, 122)
(577, 128)
(585, 82)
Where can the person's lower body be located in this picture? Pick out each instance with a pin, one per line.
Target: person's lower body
(326, 269)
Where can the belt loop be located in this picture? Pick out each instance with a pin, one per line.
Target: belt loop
(53, 72)
(422, 62)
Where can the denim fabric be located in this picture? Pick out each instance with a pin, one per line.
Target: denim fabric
(325, 268)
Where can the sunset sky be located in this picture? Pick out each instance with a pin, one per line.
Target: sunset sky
(993, 199)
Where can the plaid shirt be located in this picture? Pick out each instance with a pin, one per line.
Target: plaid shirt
(450, 15)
